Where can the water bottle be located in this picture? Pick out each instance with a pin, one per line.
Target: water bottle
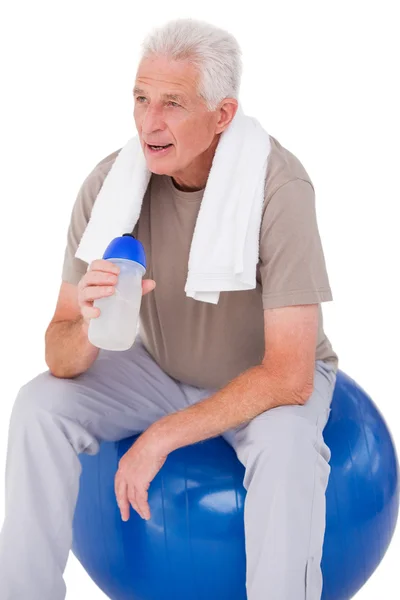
(116, 326)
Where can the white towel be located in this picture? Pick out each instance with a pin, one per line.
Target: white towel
(225, 245)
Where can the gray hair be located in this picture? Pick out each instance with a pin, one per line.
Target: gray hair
(214, 51)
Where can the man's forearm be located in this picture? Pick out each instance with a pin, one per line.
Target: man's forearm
(248, 395)
(68, 350)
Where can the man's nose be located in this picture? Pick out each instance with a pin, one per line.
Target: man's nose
(152, 120)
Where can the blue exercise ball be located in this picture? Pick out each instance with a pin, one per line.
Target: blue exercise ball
(362, 497)
(193, 545)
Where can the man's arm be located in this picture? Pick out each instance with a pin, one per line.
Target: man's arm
(285, 376)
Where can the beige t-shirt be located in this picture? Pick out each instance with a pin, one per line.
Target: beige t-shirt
(203, 344)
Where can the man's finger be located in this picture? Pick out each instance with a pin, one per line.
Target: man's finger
(132, 500)
(122, 500)
(148, 285)
(142, 500)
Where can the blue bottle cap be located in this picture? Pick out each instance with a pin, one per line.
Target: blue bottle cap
(128, 247)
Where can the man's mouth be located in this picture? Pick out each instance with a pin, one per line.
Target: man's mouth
(159, 149)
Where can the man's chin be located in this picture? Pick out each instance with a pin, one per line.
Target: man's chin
(159, 170)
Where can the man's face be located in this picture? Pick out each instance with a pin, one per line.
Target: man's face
(168, 110)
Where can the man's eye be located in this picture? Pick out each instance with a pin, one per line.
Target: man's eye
(140, 98)
(174, 103)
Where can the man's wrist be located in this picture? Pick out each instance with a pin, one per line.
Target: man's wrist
(84, 325)
(160, 435)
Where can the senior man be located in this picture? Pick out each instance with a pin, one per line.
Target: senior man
(257, 367)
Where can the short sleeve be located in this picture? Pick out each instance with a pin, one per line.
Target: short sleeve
(73, 268)
(292, 263)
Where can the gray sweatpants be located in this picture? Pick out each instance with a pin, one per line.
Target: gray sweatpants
(53, 420)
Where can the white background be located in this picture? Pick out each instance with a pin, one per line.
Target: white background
(320, 76)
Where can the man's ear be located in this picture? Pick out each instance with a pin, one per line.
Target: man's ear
(227, 111)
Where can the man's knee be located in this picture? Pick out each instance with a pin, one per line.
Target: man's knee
(43, 393)
(280, 443)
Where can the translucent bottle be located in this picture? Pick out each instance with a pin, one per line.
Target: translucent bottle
(116, 326)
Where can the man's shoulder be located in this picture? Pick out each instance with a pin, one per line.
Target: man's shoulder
(283, 166)
(107, 162)
(95, 178)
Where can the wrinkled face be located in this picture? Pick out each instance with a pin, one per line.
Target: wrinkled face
(169, 111)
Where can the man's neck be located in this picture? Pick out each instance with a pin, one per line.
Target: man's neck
(189, 187)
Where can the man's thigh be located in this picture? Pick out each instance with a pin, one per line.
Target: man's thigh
(121, 394)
